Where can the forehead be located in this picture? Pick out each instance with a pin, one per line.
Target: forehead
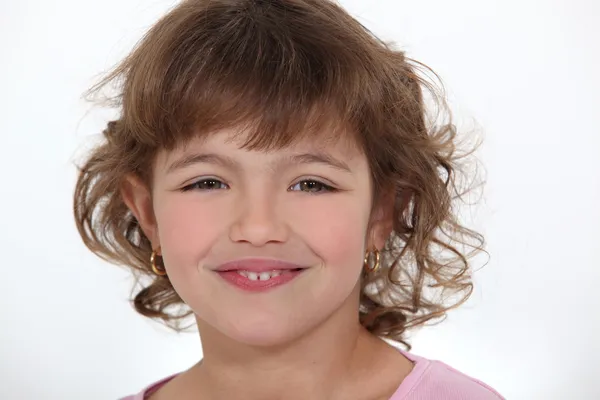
(341, 145)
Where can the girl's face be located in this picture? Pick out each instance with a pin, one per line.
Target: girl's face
(308, 204)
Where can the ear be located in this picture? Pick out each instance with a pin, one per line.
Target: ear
(138, 199)
(382, 220)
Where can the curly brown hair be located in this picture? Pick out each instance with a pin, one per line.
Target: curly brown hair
(287, 69)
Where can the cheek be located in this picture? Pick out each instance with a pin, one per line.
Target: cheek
(186, 228)
(334, 228)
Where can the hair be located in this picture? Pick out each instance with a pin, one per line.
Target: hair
(286, 70)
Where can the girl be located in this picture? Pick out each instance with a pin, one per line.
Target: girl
(273, 173)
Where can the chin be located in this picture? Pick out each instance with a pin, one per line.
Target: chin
(264, 332)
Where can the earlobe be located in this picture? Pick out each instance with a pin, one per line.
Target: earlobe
(138, 199)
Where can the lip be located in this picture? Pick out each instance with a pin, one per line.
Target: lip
(230, 273)
(257, 265)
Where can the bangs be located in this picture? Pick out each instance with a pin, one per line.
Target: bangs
(265, 68)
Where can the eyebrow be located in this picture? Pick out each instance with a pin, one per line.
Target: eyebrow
(303, 158)
(319, 158)
(207, 158)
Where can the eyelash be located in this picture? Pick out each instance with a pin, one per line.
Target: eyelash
(324, 187)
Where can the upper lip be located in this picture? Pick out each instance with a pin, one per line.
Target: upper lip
(257, 265)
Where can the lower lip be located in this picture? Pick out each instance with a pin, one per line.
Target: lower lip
(244, 283)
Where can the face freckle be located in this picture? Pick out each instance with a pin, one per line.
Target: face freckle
(215, 202)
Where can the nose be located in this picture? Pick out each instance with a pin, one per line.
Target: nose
(258, 220)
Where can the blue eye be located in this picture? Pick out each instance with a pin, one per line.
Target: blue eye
(206, 184)
(312, 186)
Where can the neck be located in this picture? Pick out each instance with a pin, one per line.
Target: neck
(322, 364)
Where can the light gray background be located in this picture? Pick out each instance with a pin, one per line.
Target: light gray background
(526, 71)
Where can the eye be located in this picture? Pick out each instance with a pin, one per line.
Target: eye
(206, 185)
(311, 186)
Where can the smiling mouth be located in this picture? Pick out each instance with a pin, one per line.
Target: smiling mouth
(254, 281)
(266, 275)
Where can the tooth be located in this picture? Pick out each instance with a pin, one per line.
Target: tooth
(264, 276)
(242, 273)
(275, 273)
(253, 276)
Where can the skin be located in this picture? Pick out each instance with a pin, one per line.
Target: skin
(302, 339)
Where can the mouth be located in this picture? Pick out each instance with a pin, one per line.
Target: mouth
(259, 275)
(266, 275)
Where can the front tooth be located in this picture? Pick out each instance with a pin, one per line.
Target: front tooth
(264, 276)
(253, 276)
(275, 273)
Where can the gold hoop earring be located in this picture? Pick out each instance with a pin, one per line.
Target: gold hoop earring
(158, 271)
(377, 261)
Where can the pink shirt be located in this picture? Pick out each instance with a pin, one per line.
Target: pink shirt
(429, 380)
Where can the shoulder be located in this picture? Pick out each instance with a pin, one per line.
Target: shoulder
(148, 390)
(453, 384)
(432, 379)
